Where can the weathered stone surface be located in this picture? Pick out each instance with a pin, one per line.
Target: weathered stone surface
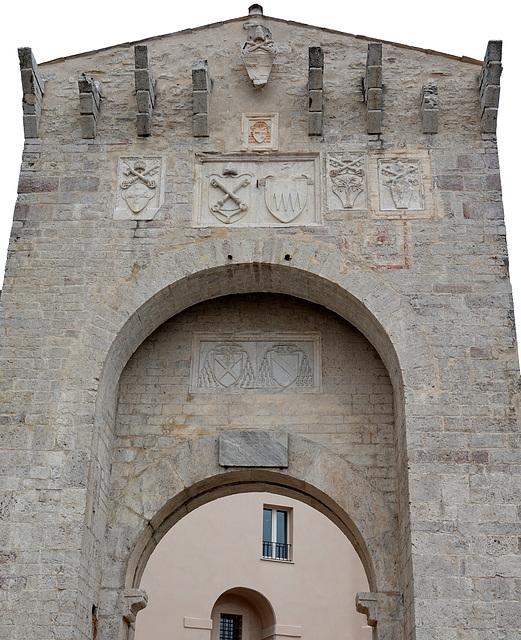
(253, 449)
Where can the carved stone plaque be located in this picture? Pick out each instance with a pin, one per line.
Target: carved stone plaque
(251, 191)
(400, 185)
(287, 363)
(260, 131)
(347, 180)
(140, 188)
(253, 449)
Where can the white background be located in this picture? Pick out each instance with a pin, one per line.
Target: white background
(56, 28)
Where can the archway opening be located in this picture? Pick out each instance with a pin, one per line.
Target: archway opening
(273, 566)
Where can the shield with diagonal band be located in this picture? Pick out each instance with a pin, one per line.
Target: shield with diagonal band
(227, 365)
(283, 365)
(286, 198)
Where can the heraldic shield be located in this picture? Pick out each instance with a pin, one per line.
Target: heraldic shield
(230, 194)
(285, 364)
(227, 365)
(286, 198)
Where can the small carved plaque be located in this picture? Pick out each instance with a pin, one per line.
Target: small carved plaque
(347, 175)
(271, 364)
(253, 449)
(140, 188)
(260, 132)
(247, 191)
(400, 185)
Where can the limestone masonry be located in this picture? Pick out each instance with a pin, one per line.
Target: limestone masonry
(260, 256)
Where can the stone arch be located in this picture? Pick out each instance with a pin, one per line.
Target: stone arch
(205, 270)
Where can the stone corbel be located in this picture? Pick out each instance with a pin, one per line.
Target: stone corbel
(33, 90)
(489, 79)
(90, 101)
(145, 90)
(373, 87)
(316, 91)
(200, 94)
(384, 610)
(430, 106)
(133, 601)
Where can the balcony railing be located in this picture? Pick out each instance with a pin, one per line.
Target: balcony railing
(275, 550)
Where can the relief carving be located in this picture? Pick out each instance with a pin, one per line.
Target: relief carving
(347, 173)
(258, 53)
(260, 131)
(255, 364)
(231, 205)
(140, 188)
(400, 185)
(257, 193)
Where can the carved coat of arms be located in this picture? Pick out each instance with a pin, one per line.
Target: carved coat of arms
(227, 365)
(286, 198)
(230, 194)
(140, 187)
(285, 364)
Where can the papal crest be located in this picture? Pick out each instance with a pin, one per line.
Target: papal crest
(140, 187)
(229, 197)
(285, 364)
(227, 365)
(286, 198)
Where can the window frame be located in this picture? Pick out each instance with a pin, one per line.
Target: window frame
(275, 553)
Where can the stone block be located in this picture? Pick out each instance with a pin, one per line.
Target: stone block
(200, 77)
(88, 126)
(490, 96)
(316, 79)
(144, 103)
(374, 122)
(315, 123)
(489, 120)
(316, 57)
(144, 124)
(31, 126)
(374, 99)
(88, 104)
(316, 102)
(374, 54)
(200, 125)
(141, 56)
(373, 77)
(430, 120)
(200, 101)
(253, 449)
(143, 80)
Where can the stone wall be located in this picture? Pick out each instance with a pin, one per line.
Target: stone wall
(401, 234)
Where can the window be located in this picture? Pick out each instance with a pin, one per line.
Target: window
(275, 533)
(230, 627)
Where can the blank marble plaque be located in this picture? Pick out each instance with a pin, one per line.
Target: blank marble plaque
(253, 449)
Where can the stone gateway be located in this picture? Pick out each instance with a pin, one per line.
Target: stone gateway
(260, 259)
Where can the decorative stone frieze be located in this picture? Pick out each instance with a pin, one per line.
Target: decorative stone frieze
(288, 363)
(33, 90)
(245, 190)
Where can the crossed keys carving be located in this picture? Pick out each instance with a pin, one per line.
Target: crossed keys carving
(139, 173)
(401, 181)
(230, 207)
(229, 194)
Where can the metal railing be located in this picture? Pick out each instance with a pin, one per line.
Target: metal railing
(275, 550)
